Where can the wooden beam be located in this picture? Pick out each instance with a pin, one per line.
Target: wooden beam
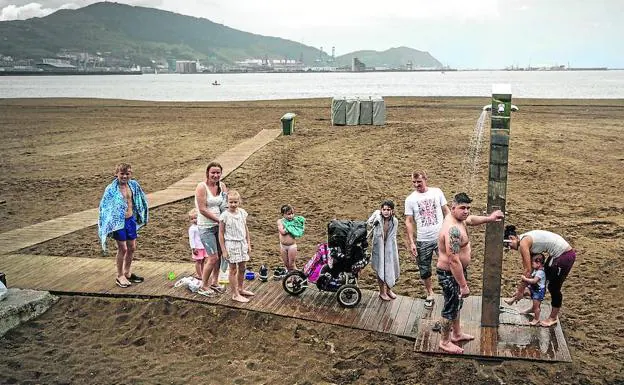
(497, 196)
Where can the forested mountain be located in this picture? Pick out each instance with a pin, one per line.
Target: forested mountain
(143, 34)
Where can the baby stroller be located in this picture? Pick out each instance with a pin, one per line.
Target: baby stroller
(336, 264)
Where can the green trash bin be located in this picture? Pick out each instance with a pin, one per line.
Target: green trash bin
(288, 123)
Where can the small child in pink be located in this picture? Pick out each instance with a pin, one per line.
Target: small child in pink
(199, 253)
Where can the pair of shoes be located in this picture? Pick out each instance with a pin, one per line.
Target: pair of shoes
(279, 273)
(218, 288)
(429, 302)
(263, 274)
(206, 293)
(120, 284)
(135, 278)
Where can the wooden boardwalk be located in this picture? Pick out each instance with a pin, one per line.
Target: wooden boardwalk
(96, 276)
(514, 337)
(18, 239)
(404, 317)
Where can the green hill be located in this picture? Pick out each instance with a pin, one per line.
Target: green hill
(140, 34)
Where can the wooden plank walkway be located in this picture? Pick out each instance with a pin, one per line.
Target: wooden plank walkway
(96, 276)
(514, 338)
(17, 239)
(404, 317)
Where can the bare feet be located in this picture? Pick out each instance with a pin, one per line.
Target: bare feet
(548, 322)
(385, 297)
(246, 292)
(461, 337)
(391, 294)
(511, 301)
(450, 347)
(535, 322)
(240, 298)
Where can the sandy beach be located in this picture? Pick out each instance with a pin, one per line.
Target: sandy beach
(57, 155)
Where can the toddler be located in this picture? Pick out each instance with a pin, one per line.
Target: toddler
(289, 228)
(537, 286)
(199, 253)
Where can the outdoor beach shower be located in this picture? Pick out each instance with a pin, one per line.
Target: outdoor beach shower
(501, 108)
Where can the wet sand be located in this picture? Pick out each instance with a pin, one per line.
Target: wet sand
(566, 161)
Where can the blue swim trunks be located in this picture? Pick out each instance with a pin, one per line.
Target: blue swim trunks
(128, 233)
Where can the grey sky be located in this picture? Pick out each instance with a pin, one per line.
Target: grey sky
(459, 33)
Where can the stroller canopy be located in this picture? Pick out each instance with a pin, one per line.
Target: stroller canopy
(347, 240)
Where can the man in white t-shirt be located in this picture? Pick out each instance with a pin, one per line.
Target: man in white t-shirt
(425, 208)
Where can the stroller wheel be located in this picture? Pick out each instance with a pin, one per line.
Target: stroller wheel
(349, 295)
(295, 282)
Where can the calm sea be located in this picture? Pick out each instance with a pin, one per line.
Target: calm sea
(261, 86)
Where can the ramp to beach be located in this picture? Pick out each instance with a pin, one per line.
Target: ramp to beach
(404, 317)
(18, 239)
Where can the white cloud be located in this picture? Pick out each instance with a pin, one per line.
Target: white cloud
(13, 12)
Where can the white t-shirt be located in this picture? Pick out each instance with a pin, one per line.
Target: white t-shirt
(426, 208)
(235, 225)
(545, 241)
(194, 239)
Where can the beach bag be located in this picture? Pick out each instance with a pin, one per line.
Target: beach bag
(192, 283)
(312, 268)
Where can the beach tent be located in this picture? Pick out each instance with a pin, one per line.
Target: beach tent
(366, 111)
(353, 111)
(379, 111)
(338, 112)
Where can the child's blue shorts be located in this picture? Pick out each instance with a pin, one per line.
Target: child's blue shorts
(538, 294)
(128, 233)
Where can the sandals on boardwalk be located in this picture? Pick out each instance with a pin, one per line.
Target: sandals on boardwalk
(206, 293)
(122, 284)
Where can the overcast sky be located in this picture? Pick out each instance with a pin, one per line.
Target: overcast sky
(459, 33)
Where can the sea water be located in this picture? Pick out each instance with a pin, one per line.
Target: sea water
(274, 86)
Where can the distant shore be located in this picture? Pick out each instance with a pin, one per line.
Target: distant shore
(72, 73)
(441, 70)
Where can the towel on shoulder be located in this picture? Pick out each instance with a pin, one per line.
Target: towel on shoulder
(113, 208)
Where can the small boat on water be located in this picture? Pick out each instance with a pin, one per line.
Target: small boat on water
(216, 83)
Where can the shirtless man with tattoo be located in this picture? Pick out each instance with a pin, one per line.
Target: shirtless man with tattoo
(454, 258)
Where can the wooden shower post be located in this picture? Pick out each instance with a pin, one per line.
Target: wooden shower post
(497, 195)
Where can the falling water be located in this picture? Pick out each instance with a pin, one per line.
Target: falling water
(471, 159)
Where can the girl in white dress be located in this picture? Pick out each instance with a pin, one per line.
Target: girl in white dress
(235, 244)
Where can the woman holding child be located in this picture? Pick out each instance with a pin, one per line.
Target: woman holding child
(561, 257)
